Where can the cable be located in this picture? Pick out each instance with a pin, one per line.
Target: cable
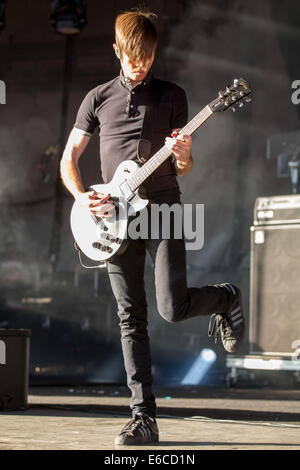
(227, 421)
(102, 265)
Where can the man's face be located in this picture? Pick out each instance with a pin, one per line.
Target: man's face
(135, 71)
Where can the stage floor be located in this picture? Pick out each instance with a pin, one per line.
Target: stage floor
(189, 418)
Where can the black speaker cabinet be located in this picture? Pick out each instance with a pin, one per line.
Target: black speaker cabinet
(275, 289)
(14, 368)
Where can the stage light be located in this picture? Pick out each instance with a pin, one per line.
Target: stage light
(2, 15)
(68, 16)
(200, 367)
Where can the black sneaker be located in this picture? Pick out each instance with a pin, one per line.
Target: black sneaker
(140, 430)
(231, 325)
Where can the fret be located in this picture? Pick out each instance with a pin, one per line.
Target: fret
(196, 122)
(133, 181)
(164, 153)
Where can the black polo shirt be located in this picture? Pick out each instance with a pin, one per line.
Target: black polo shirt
(119, 110)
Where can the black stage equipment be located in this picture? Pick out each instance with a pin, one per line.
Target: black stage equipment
(14, 368)
(285, 147)
(68, 16)
(2, 14)
(275, 276)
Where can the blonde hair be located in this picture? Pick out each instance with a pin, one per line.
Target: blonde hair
(136, 34)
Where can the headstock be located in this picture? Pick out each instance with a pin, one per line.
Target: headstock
(235, 94)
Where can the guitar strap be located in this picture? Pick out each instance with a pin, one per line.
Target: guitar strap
(150, 121)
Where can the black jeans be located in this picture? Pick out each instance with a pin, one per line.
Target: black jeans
(175, 302)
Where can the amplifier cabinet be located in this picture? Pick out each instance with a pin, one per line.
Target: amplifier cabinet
(277, 210)
(14, 368)
(275, 289)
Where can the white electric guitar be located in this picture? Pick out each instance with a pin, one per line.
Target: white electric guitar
(101, 238)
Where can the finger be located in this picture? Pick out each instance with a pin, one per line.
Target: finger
(100, 203)
(169, 142)
(180, 148)
(99, 196)
(184, 137)
(105, 210)
(180, 142)
(103, 216)
(109, 206)
(177, 148)
(105, 199)
(172, 142)
(90, 194)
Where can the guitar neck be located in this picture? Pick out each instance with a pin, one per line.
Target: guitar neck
(164, 153)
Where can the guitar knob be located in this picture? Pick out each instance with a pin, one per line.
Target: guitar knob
(106, 248)
(97, 245)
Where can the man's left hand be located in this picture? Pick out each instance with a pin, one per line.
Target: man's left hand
(181, 146)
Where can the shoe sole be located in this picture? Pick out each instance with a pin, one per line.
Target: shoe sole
(120, 443)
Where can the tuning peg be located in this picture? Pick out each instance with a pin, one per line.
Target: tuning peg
(241, 104)
(227, 90)
(221, 94)
(248, 99)
(235, 82)
(233, 109)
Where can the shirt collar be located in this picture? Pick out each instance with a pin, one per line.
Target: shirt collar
(127, 83)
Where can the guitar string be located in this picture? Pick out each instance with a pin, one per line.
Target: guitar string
(135, 180)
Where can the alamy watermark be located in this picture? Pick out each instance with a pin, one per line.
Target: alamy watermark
(2, 352)
(2, 92)
(177, 221)
(296, 94)
(163, 221)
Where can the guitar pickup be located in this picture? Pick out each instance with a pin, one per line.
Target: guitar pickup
(126, 191)
(111, 238)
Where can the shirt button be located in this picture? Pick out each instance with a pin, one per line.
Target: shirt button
(131, 105)
(133, 92)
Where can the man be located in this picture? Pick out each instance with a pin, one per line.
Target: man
(119, 108)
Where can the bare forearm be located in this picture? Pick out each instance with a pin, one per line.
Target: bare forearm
(69, 168)
(71, 176)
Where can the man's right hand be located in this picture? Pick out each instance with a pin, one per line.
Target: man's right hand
(99, 204)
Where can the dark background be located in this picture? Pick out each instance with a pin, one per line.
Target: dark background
(203, 46)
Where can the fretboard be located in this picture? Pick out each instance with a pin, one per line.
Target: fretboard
(159, 157)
